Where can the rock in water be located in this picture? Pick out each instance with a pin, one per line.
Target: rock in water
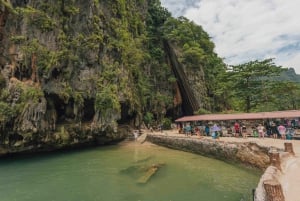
(150, 172)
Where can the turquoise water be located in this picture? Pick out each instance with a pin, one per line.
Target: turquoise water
(112, 174)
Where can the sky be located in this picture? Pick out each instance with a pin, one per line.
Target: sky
(246, 30)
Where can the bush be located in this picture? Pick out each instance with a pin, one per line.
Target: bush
(202, 111)
(148, 118)
(166, 123)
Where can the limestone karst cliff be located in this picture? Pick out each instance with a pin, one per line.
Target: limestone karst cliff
(76, 72)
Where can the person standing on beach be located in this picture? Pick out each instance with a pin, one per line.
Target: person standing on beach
(274, 130)
(237, 129)
(135, 134)
(207, 130)
(261, 131)
(282, 130)
(244, 131)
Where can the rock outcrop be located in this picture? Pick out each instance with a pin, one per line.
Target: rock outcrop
(75, 71)
(248, 153)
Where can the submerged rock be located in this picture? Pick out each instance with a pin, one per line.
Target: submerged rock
(142, 173)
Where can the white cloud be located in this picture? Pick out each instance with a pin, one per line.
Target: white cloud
(178, 7)
(290, 61)
(245, 30)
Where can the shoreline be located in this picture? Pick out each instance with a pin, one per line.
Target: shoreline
(288, 177)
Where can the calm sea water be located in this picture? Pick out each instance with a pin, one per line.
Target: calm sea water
(113, 174)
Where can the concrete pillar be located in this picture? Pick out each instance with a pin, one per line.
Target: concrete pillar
(273, 190)
(288, 147)
(275, 160)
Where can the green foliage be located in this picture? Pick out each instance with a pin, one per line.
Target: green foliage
(27, 93)
(203, 111)
(71, 9)
(37, 18)
(248, 84)
(32, 93)
(172, 79)
(166, 123)
(193, 57)
(157, 15)
(281, 95)
(194, 50)
(78, 98)
(6, 112)
(18, 39)
(288, 75)
(4, 94)
(186, 33)
(7, 5)
(66, 92)
(148, 118)
(46, 59)
(164, 100)
(127, 55)
(107, 99)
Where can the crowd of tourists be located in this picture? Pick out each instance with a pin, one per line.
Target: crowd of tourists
(284, 129)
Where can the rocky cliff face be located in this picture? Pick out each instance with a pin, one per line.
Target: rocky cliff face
(73, 72)
(60, 76)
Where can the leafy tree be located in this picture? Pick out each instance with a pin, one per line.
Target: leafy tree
(286, 95)
(250, 81)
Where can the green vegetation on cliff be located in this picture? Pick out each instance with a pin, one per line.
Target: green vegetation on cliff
(86, 67)
(96, 63)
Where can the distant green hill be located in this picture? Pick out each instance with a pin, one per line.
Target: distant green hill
(289, 75)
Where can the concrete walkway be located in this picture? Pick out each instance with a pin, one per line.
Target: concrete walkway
(269, 142)
(290, 179)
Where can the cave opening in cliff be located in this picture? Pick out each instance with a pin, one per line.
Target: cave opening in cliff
(175, 112)
(55, 73)
(88, 110)
(22, 72)
(126, 117)
(58, 106)
(65, 110)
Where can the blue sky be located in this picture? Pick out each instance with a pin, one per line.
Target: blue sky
(245, 30)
